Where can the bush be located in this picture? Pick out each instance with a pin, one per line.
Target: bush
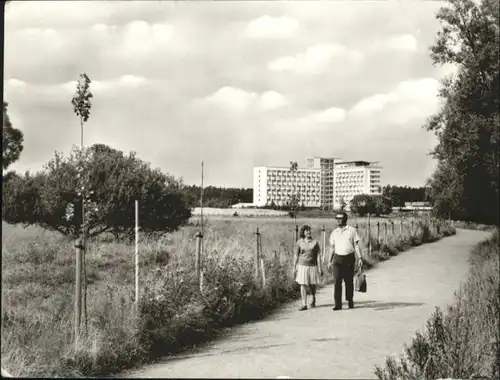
(463, 342)
(50, 198)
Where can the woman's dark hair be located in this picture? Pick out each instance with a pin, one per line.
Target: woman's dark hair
(303, 230)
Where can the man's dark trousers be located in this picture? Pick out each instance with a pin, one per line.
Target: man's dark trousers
(343, 269)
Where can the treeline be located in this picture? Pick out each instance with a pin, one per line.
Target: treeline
(465, 183)
(399, 195)
(218, 197)
(221, 197)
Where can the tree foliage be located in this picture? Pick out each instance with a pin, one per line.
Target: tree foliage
(12, 141)
(465, 183)
(363, 204)
(217, 197)
(399, 195)
(50, 198)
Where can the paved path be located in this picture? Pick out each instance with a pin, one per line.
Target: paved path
(321, 343)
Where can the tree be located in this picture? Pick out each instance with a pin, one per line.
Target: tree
(362, 204)
(12, 141)
(343, 203)
(295, 197)
(383, 205)
(48, 198)
(465, 183)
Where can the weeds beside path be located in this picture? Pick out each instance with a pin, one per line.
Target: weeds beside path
(320, 343)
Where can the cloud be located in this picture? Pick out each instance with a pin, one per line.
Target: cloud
(410, 99)
(63, 90)
(272, 27)
(406, 42)
(329, 116)
(271, 100)
(139, 38)
(15, 83)
(315, 60)
(103, 28)
(238, 99)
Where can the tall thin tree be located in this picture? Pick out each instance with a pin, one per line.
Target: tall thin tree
(82, 104)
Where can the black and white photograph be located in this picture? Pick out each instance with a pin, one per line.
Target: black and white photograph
(251, 189)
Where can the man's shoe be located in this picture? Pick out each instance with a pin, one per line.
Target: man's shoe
(303, 308)
(337, 308)
(351, 305)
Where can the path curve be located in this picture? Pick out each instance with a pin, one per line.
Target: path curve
(321, 343)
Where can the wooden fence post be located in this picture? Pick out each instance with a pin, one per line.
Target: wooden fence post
(412, 227)
(199, 237)
(263, 272)
(78, 289)
(385, 233)
(401, 230)
(378, 235)
(257, 234)
(136, 255)
(296, 233)
(393, 233)
(368, 236)
(323, 239)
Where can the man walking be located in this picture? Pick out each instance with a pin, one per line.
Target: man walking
(344, 252)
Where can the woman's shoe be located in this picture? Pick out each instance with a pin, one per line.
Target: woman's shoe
(303, 308)
(313, 304)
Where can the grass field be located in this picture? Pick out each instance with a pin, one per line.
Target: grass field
(38, 276)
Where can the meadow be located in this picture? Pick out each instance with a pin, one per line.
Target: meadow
(38, 289)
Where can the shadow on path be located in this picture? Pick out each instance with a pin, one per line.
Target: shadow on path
(376, 305)
(234, 350)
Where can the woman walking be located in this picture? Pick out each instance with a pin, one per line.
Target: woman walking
(307, 265)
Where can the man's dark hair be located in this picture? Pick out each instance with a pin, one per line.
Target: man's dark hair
(303, 230)
(344, 215)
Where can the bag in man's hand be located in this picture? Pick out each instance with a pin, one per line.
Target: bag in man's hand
(360, 282)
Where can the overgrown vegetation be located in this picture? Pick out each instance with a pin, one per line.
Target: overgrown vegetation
(462, 342)
(37, 292)
(465, 183)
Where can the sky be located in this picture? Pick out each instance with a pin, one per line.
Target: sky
(235, 84)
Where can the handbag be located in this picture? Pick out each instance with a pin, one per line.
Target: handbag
(360, 282)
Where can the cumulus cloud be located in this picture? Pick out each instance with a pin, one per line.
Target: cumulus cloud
(63, 90)
(271, 100)
(316, 59)
(239, 99)
(410, 99)
(272, 27)
(15, 83)
(330, 115)
(140, 38)
(406, 42)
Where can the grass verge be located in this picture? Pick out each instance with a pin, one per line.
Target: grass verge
(462, 342)
(37, 294)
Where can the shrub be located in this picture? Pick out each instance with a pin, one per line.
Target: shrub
(463, 342)
(50, 198)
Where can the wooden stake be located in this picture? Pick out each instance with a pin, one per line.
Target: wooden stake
(199, 237)
(78, 289)
(323, 236)
(257, 254)
(136, 255)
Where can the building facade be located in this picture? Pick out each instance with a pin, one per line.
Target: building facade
(354, 178)
(324, 183)
(273, 184)
(327, 170)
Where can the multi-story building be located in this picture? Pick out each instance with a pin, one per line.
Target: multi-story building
(324, 182)
(327, 169)
(356, 177)
(273, 184)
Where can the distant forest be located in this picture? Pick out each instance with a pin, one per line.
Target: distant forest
(226, 197)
